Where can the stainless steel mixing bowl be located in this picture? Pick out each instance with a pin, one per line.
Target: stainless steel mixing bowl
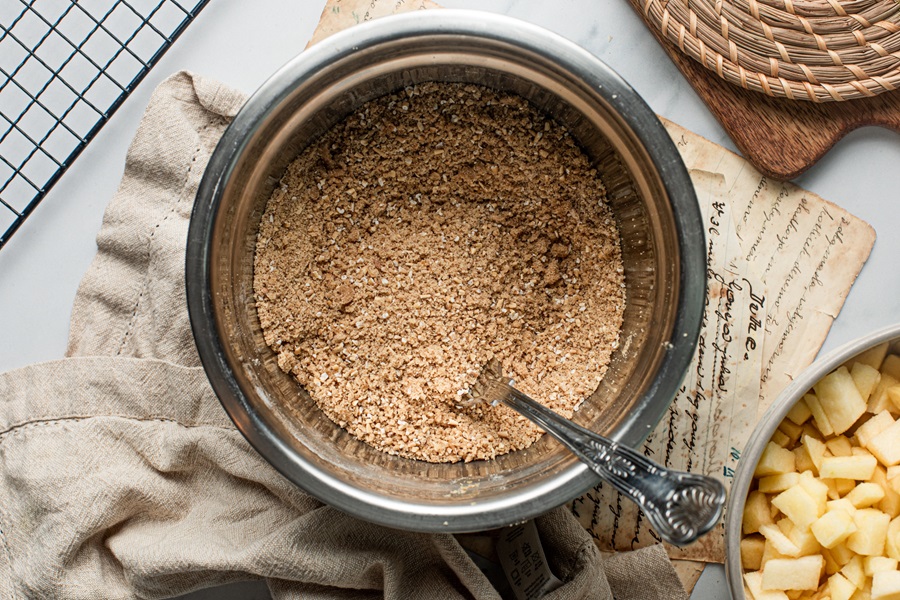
(649, 191)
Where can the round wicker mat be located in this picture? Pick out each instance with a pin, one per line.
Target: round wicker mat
(816, 50)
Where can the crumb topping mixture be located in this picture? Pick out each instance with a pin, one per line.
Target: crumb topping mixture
(433, 229)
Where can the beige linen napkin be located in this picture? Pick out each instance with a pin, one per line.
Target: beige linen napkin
(122, 477)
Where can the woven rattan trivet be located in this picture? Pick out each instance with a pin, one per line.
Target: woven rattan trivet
(781, 137)
(816, 50)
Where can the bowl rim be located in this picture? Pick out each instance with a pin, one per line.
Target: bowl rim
(647, 129)
(763, 431)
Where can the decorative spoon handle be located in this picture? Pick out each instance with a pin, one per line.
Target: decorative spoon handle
(680, 506)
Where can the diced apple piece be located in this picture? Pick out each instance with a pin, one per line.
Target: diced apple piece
(810, 429)
(769, 552)
(893, 394)
(871, 532)
(891, 366)
(833, 493)
(848, 467)
(799, 413)
(756, 513)
(863, 594)
(868, 430)
(840, 588)
(879, 399)
(841, 504)
(753, 581)
(774, 460)
(855, 572)
(779, 541)
(842, 554)
(893, 472)
(886, 445)
(865, 378)
(781, 438)
(803, 461)
(839, 446)
(865, 494)
(816, 449)
(791, 430)
(774, 484)
(872, 357)
(793, 573)
(873, 564)
(840, 400)
(816, 489)
(894, 484)
(844, 486)
(818, 414)
(752, 548)
(833, 527)
(799, 506)
(831, 565)
(890, 504)
(892, 547)
(785, 525)
(885, 585)
(804, 540)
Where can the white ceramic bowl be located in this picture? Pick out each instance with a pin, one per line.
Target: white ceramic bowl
(763, 433)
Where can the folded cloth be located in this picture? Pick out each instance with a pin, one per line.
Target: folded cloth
(122, 477)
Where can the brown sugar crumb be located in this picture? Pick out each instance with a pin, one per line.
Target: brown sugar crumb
(430, 231)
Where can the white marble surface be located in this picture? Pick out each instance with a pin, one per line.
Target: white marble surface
(241, 42)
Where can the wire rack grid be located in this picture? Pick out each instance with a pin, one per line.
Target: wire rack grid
(65, 67)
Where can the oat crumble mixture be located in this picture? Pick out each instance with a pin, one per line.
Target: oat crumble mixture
(433, 229)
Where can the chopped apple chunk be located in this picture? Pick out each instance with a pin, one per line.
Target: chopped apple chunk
(871, 532)
(774, 484)
(779, 541)
(865, 494)
(840, 399)
(840, 588)
(886, 585)
(873, 564)
(799, 413)
(859, 468)
(798, 505)
(793, 573)
(874, 357)
(775, 460)
(879, 400)
(886, 445)
(866, 432)
(833, 527)
(753, 583)
(865, 378)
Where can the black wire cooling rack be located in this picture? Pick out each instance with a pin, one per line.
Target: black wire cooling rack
(65, 67)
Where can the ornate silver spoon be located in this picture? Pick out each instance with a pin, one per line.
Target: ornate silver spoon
(680, 506)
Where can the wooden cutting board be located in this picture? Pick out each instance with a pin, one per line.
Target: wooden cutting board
(782, 138)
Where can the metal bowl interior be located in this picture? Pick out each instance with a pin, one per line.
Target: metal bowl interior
(763, 433)
(649, 191)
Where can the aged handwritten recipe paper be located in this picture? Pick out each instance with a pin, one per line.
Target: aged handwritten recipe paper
(780, 264)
